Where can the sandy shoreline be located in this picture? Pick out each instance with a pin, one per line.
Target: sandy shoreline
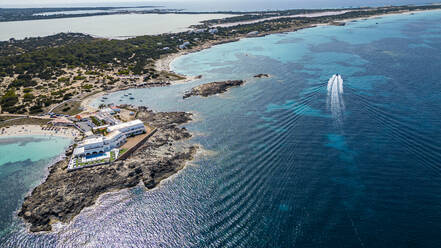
(387, 14)
(26, 130)
(164, 63)
(314, 14)
(86, 102)
(135, 169)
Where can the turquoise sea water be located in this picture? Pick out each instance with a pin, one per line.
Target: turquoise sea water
(23, 163)
(287, 171)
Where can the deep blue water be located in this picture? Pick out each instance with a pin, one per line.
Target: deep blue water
(284, 170)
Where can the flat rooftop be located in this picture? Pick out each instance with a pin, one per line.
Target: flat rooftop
(94, 140)
(125, 125)
(113, 134)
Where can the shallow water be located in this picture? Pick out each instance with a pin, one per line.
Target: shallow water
(286, 171)
(23, 163)
(108, 26)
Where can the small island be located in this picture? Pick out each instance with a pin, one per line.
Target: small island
(213, 88)
(262, 75)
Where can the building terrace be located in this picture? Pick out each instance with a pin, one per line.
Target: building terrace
(98, 150)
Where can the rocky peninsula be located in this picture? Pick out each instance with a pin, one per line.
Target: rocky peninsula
(64, 194)
(212, 88)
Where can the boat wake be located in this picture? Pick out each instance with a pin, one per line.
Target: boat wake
(335, 99)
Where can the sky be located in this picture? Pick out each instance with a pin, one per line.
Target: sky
(44, 3)
(210, 5)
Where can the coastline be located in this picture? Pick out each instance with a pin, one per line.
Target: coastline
(29, 130)
(155, 177)
(383, 15)
(63, 195)
(314, 14)
(164, 63)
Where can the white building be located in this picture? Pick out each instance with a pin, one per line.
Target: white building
(254, 33)
(102, 127)
(213, 31)
(184, 45)
(130, 128)
(107, 111)
(117, 137)
(98, 145)
(197, 31)
(89, 134)
(89, 146)
(114, 139)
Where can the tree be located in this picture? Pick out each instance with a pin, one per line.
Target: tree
(8, 100)
(27, 97)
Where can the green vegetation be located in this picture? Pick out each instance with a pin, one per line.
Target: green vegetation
(112, 156)
(58, 93)
(96, 121)
(41, 62)
(79, 78)
(63, 80)
(263, 14)
(27, 97)
(72, 107)
(4, 118)
(87, 86)
(124, 72)
(8, 100)
(92, 73)
(19, 14)
(25, 121)
(22, 80)
(79, 164)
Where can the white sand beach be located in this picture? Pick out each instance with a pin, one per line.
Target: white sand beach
(23, 130)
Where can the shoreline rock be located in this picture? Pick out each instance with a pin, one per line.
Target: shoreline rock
(213, 88)
(262, 75)
(337, 23)
(63, 195)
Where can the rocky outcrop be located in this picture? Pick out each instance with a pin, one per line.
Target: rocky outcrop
(262, 75)
(213, 88)
(63, 195)
(335, 23)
